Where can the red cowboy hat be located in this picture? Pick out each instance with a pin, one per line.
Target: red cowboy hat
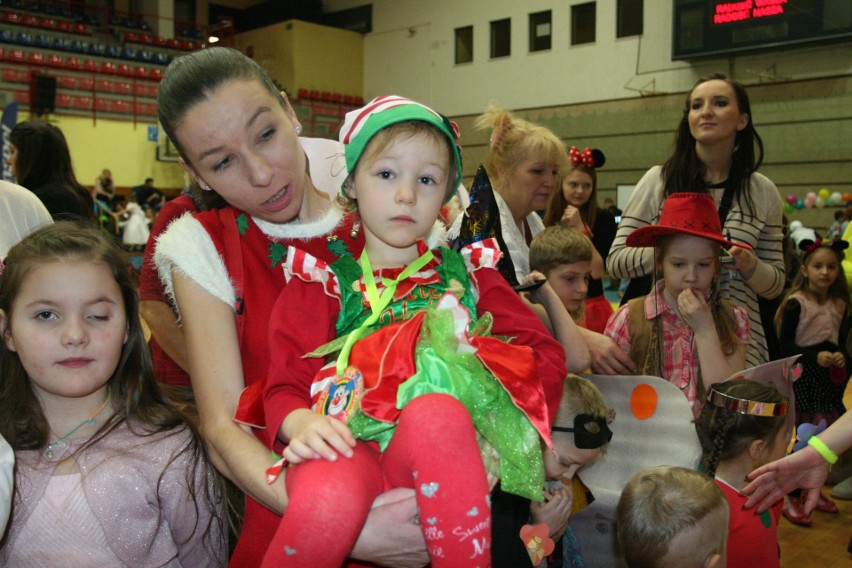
(684, 214)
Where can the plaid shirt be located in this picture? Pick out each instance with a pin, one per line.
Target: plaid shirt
(679, 359)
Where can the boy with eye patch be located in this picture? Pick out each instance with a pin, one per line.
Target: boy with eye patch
(580, 434)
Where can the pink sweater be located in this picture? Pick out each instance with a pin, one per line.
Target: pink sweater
(135, 486)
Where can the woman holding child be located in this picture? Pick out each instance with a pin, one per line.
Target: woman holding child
(239, 137)
(717, 151)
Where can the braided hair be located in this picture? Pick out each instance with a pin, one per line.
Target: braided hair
(724, 433)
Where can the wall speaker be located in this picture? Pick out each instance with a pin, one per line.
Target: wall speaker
(43, 94)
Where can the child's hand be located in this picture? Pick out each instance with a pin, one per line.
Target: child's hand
(695, 311)
(536, 296)
(313, 436)
(829, 359)
(571, 218)
(555, 511)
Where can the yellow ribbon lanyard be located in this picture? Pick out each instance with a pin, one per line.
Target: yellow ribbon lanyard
(377, 303)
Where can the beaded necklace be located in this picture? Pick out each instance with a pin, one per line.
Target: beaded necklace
(57, 443)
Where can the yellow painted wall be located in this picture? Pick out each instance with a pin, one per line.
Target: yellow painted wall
(119, 146)
(302, 55)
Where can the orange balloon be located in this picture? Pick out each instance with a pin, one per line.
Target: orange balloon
(847, 197)
(643, 401)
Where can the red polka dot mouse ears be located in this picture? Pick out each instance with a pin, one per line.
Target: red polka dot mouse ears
(592, 158)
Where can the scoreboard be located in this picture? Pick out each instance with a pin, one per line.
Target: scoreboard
(705, 28)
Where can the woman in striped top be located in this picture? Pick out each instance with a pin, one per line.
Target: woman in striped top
(717, 151)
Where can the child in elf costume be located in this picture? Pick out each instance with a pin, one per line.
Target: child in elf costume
(435, 362)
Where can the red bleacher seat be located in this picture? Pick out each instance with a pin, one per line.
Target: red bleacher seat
(157, 40)
(81, 28)
(90, 65)
(131, 37)
(147, 39)
(141, 72)
(64, 26)
(104, 86)
(121, 106)
(173, 43)
(29, 20)
(83, 103)
(156, 73)
(15, 76)
(302, 93)
(17, 55)
(87, 83)
(123, 88)
(103, 105)
(68, 81)
(22, 97)
(64, 100)
(12, 17)
(124, 69)
(72, 62)
(47, 23)
(35, 58)
(108, 67)
(54, 60)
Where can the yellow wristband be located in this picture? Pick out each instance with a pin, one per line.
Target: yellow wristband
(822, 449)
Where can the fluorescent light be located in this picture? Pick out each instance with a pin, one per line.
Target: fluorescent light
(212, 39)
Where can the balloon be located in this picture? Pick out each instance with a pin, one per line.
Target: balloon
(788, 208)
(847, 197)
(835, 198)
(791, 199)
(819, 202)
(811, 195)
(824, 193)
(800, 204)
(809, 203)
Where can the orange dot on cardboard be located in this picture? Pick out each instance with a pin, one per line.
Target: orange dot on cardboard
(643, 401)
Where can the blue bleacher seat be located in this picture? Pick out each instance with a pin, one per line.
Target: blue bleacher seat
(78, 46)
(128, 53)
(111, 51)
(95, 48)
(42, 41)
(144, 56)
(24, 38)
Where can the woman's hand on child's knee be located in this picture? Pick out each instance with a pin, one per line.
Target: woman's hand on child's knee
(312, 436)
(391, 536)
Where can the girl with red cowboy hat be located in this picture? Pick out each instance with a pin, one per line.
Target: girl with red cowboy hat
(683, 331)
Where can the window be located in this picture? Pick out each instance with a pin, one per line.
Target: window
(629, 18)
(464, 44)
(540, 31)
(501, 38)
(583, 23)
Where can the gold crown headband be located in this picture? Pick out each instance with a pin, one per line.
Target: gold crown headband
(746, 406)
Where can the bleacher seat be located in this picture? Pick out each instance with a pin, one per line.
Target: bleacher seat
(141, 72)
(54, 60)
(35, 58)
(12, 18)
(123, 88)
(47, 23)
(24, 38)
(108, 67)
(81, 28)
(29, 20)
(124, 70)
(43, 41)
(111, 51)
(90, 65)
(156, 73)
(103, 105)
(87, 83)
(121, 106)
(68, 82)
(173, 43)
(83, 103)
(64, 26)
(95, 48)
(74, 63)
(16, 56)
(78, 46)
(64, 100)
(61, 44)
(104, 86)
(7, 36)
(22, 97)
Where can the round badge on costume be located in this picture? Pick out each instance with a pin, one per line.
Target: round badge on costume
(340, 395)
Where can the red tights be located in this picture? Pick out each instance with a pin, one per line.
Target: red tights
(434, 451)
